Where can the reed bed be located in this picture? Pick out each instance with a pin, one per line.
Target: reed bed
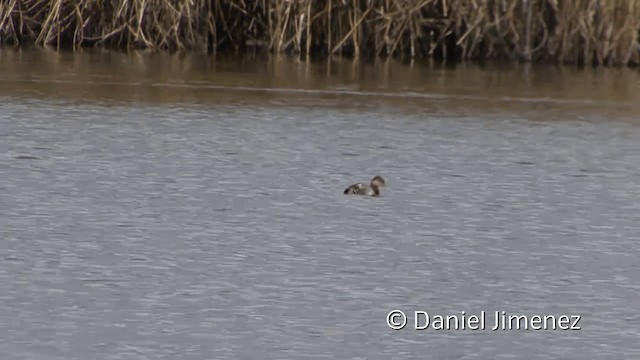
(601, 32)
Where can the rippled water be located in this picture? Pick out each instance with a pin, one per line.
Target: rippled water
(218, 230)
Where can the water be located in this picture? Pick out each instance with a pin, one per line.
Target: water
(159, 207)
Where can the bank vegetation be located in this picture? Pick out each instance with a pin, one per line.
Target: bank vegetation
(600, 32)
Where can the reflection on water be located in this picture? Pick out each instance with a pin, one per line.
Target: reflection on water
(158, 77)
(165, 207)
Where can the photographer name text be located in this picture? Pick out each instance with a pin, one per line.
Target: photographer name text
(495, 321)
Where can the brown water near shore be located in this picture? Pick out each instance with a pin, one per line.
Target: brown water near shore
(108, 76)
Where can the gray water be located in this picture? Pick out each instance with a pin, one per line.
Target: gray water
(218, 229)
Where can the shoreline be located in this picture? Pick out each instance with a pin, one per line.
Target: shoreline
(538, 31)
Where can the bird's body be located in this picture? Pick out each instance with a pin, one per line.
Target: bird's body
(373, 189)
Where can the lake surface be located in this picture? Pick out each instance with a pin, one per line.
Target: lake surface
(184, 207)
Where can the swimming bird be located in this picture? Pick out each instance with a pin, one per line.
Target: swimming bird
(366, 190)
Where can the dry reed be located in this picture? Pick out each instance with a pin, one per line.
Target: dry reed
(603, 32)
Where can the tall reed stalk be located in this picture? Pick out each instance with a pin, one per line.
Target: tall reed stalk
(605, 32)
